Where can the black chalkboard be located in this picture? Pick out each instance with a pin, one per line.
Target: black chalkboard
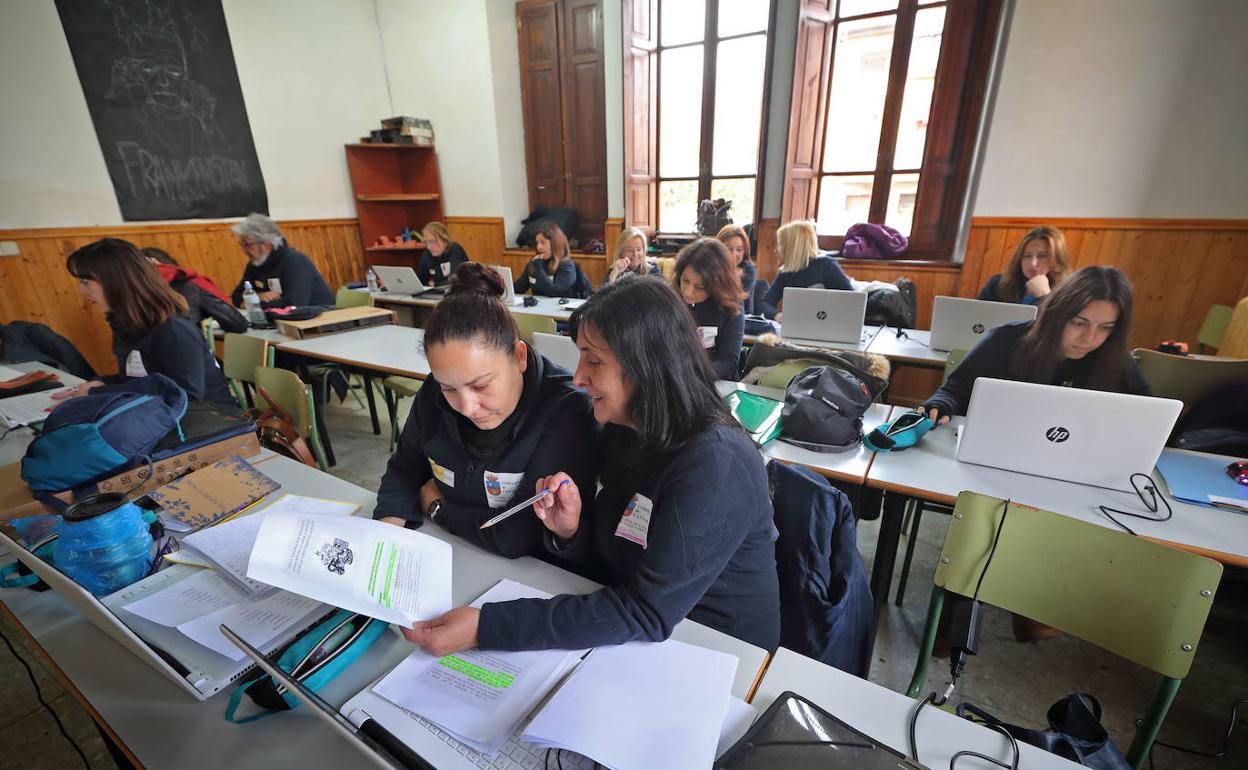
(163, 92)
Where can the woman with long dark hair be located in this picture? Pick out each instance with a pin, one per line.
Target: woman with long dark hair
(708, 283)
(1079, 339)
(737, 241)
(681, 524)
(150, 334)
(551, 272)
(492, 418)
(1037, 267)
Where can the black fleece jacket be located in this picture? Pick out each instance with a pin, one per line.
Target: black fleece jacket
(724, 331)
(821, 273)
(561, 284)
(298, 280)
(437, 271)
(175, 349)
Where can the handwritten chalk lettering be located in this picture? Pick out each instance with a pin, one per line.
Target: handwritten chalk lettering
(186, 180)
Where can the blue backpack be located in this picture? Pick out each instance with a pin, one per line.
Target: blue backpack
(113, 427)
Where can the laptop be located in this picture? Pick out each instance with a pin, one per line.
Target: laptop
(192, 668)
(824, 315)
(959, 324)
(403, 280)
(509, 293)
(1070, 434)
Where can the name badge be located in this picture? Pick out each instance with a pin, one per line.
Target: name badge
(134, 365)
(445, 475)
(446, 269)
(275, 284)
(634, 525)
(500, 487)
(709, 334)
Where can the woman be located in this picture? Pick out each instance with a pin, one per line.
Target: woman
(681, 524)
(150, 334)
(442, 256)
(737, 242)
(551, 272)
(709, 285)
(203, 298)
(1038, 266)
(801, 267)
(630, 256)
(1079, 339)
(492, 418)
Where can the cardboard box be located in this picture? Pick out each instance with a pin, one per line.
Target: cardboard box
(340, 320)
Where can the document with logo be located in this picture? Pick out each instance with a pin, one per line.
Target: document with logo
(380, 570)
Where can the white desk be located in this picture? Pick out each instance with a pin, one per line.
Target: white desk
(845, 466)
(163, 727)
(13, 445)
(913, 349)
(548, 307)
(885, 716)
(868, 334)
(391, 349)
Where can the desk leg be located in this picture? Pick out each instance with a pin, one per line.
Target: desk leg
(372, 403)
(886, 550)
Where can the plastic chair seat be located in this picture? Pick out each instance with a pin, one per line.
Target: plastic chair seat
(404, 386)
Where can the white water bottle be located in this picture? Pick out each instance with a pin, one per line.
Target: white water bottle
(251, 304)
(372, 281)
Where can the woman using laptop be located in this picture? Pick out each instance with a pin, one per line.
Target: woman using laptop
(802, 267)
(630, 256)
(681, 523)
(1078, 339)
(551, 272)
(492, 418)
(710, 287)
(737, 242)
(1038, 266)
(442, 256)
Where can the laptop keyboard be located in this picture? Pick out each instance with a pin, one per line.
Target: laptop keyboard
(513, 754)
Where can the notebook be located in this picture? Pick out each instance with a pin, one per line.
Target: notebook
(1202, 479)
(210, 494)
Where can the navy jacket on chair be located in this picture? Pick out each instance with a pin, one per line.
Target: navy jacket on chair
(825, 595)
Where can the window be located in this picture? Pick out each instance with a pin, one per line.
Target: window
(886, 100)
(695, 90)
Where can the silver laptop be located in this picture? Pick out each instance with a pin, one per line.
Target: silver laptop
(403, 280)
(559, 349)
(194, 669)
(824, 315)
(1071, 434)
(959, 324)
(509, 294)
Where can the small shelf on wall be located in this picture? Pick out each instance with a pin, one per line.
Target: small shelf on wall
(390, 146)
(397, 197)
(397, 187)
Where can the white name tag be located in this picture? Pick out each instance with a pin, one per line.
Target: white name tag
(635, 523)
(446, 269)
(445, 475)
(134, 365)
(500, 487)
(275, 284)
(709, 334)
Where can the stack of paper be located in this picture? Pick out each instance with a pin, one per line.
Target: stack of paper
(27, 408)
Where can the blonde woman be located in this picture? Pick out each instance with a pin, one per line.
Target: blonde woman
(442, 256)
(1037, 267)
(737, 242)
(630, 256)
(801, 266)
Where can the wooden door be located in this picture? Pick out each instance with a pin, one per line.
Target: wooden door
(585, 133)
(541, 95)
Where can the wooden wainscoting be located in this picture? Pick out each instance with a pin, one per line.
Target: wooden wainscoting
(35, 286)
(765, 249)
(483, 238)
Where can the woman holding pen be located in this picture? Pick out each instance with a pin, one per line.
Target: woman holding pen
(681, 525)
(493, 417)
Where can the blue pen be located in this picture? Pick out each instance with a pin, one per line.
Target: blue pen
(521, 506)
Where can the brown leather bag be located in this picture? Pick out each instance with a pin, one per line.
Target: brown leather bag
(277, 432)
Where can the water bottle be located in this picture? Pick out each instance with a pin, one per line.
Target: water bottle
(103, 543)
(251, 303)
(372, 281)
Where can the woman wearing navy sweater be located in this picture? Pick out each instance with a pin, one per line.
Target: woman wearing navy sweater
(737, 242)
(801, 267)
(493, 417)
(551, 272)
(709, 285)
(1038, 266)
(1079, 339)
(681, 525)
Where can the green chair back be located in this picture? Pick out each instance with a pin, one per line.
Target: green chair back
(292, 395)
(240, 355)
(782, 373)
(1235, 339)
(1213, 328)
(1185, 378)
(529, 323)
(353, 298)
(952, 362)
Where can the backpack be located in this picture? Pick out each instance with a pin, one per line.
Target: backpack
(112, 428)
(823, 408)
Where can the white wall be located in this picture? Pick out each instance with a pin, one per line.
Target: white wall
(784, 51)
(311, 78)
(1120, 108)
(504, 53)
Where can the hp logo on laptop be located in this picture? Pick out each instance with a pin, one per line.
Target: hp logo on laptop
(1057, 434)
(978, 328)
(821, 315)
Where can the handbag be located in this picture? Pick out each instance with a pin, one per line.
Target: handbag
(1074, 732)
(277, 431)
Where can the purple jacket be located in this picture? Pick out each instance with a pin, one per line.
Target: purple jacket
(872, 241)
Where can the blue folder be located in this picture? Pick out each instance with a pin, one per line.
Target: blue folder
(1192, 478)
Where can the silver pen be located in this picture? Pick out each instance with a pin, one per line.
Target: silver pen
(513, 510)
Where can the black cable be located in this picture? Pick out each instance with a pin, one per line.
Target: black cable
(1149, 502)
(42, 702)
(914, 721)
(902, 335)
(1013, 745)
(1226, 737)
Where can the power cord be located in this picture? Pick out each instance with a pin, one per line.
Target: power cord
(1226, 737)
(1149, 502)
(902, 335)
(914, 744)
(42, 702)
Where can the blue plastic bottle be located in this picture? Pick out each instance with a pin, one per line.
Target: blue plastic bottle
(103, 543)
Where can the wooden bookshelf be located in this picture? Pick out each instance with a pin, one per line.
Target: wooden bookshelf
(396, 186)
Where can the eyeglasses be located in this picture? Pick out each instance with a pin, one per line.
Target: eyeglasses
(1239, 471)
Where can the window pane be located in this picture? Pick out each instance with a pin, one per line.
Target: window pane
(859, 83)
(856, 7)
(681, 21)
(736, 17)
(738, 105)
(680, 111)
(901, 195)
(741, 193)
(678, 207)
(916, 104)
(843, 201)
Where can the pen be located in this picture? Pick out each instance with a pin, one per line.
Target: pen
(521, 506)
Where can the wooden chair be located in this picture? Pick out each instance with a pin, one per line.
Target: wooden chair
(292, 395)
(241, 355)
(1137, 599)
(1186, 378)
(1235, 341)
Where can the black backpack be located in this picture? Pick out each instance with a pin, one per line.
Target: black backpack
(823, 408)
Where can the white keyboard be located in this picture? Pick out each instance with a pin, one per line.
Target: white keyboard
(27, 408)
(513, 755)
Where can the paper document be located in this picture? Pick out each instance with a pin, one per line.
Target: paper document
(200, 594)
(228, 546)
(361, 565)
(739, 718)
(7, 374)
(479, 697)
(258, 622)
(27, 408)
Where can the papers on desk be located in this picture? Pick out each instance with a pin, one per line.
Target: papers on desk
(26, 409)
(380, 570)
(1202, 479)
(7, 374)
(200, 594)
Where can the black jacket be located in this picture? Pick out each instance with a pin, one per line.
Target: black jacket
(709, 554)
(22, 341)
(821, 273)
(993, 357)
(724, 330)
(561, 284)
(554, 431)
(437, 271)
(201, 304)
(175, 349)
(990, 292)
(298, 280)
(749, 276)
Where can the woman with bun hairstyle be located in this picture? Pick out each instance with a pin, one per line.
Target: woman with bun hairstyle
(1038, 266)
(493, 417)
(706, 280)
